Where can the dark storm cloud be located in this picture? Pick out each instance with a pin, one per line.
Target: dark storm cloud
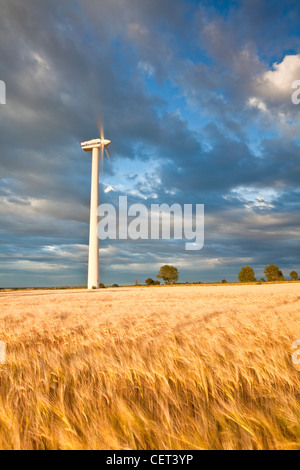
(181, 87)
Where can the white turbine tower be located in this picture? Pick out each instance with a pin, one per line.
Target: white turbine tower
(95, 145)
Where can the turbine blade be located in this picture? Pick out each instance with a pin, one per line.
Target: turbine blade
(101, 131)
(107, 154)
(99, 122)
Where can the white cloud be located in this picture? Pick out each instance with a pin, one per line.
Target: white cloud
(136, 29)
(275, 86)
(68, 252)
(256, 198)
(33, 266)
(147, 68)
(279, 80)
(109, 189)
(257, 103)
(272, 95)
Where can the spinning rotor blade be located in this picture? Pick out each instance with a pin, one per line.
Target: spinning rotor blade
(107, 154)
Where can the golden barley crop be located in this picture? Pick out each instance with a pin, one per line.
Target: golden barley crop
(151, 368)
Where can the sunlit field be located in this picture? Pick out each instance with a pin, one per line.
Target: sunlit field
(151, 368)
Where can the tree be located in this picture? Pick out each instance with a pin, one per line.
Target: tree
(156, 283)
(149, 282)
(247, 274)
(169, 274)
(294, 276)
(273, 273)
(224, 281)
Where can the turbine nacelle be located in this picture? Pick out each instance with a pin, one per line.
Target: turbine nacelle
(95, 143)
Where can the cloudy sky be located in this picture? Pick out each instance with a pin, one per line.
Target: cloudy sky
(196, 98)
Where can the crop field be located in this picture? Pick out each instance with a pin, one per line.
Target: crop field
(200, 367)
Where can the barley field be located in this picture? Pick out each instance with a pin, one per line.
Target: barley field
(151, 368)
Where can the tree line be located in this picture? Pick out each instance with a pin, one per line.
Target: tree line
(272, 273)
(170, 275)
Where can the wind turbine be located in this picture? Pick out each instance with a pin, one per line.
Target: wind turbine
(95, 145)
